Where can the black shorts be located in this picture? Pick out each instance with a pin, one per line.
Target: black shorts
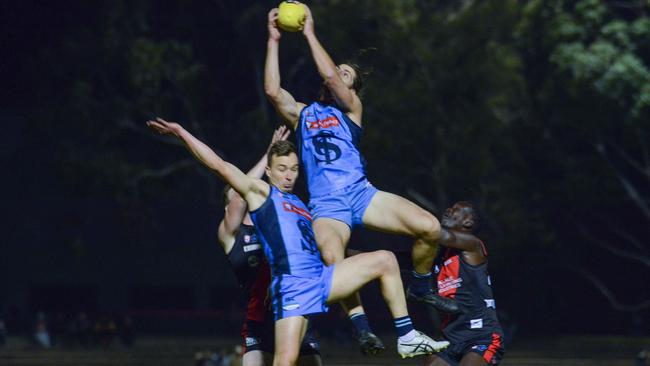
(489, 346)
(260, 336)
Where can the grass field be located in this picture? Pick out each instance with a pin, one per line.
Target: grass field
(179, 351)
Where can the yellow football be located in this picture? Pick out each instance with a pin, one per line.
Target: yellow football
(291, 17)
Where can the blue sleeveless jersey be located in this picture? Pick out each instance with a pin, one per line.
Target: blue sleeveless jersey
(283, 224)
(328, 142)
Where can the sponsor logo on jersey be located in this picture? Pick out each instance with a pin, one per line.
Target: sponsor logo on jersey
(291, 307)
(480, 347)
(476, 323)
(449, 284)
(328, 122)
(490, 303)
(449, 261)
(250, 341)
(250, 248)
(250, 238)
(290, 207)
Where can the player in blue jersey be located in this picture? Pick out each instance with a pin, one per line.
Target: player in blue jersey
(239, 242)
(328, 133)
(301, 284)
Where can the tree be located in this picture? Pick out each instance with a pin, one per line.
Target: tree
(589, 82)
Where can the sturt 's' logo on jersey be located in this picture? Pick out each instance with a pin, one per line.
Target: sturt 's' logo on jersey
(324, 147)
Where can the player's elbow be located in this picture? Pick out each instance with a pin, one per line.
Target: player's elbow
(217, 166)
(272, 92)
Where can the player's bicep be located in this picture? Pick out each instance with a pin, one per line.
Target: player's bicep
(237, 179)
(342, 94)
(234, 215)
(226, 238)
(287, 107)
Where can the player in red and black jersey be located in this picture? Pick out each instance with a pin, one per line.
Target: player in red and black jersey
(239, 241)
(461, 266)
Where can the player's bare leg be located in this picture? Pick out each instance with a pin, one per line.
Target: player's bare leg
(310, 360)
(354, 272)
(256, 358)
(434, 360)
(473, 359)
(391, 213)
(259, 358)
(332, 237)
(289, 333)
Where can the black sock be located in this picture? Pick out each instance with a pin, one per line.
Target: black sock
(421, 284)
(360, 321)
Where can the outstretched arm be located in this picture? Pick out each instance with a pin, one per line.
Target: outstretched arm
(254, 191)
(236, 209)
(280, 133)
(328, 70)
(459, 240)
(283, 102)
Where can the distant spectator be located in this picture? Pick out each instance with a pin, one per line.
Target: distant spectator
(226, 358)
(643, 358)
(3, 333)
(207, 358)
(127, 332)
(81, 330)
(57, 328)
(237, 355)
(13, 320)
(41, 333)
(105, 330)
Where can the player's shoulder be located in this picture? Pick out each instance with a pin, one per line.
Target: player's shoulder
(258, 194)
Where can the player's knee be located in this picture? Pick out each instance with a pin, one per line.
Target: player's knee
(427, 227)
(386, 262)
(285, 359)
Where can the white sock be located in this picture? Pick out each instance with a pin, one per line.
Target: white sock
(408, 336)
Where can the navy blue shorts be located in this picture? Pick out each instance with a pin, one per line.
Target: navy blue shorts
(489, 346)
(260, 336)
(346, 204)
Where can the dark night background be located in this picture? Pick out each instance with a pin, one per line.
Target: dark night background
(537, 110)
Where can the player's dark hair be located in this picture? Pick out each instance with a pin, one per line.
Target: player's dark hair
(476, 215)
(280, 148)
(360, 62)
(359, 78)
